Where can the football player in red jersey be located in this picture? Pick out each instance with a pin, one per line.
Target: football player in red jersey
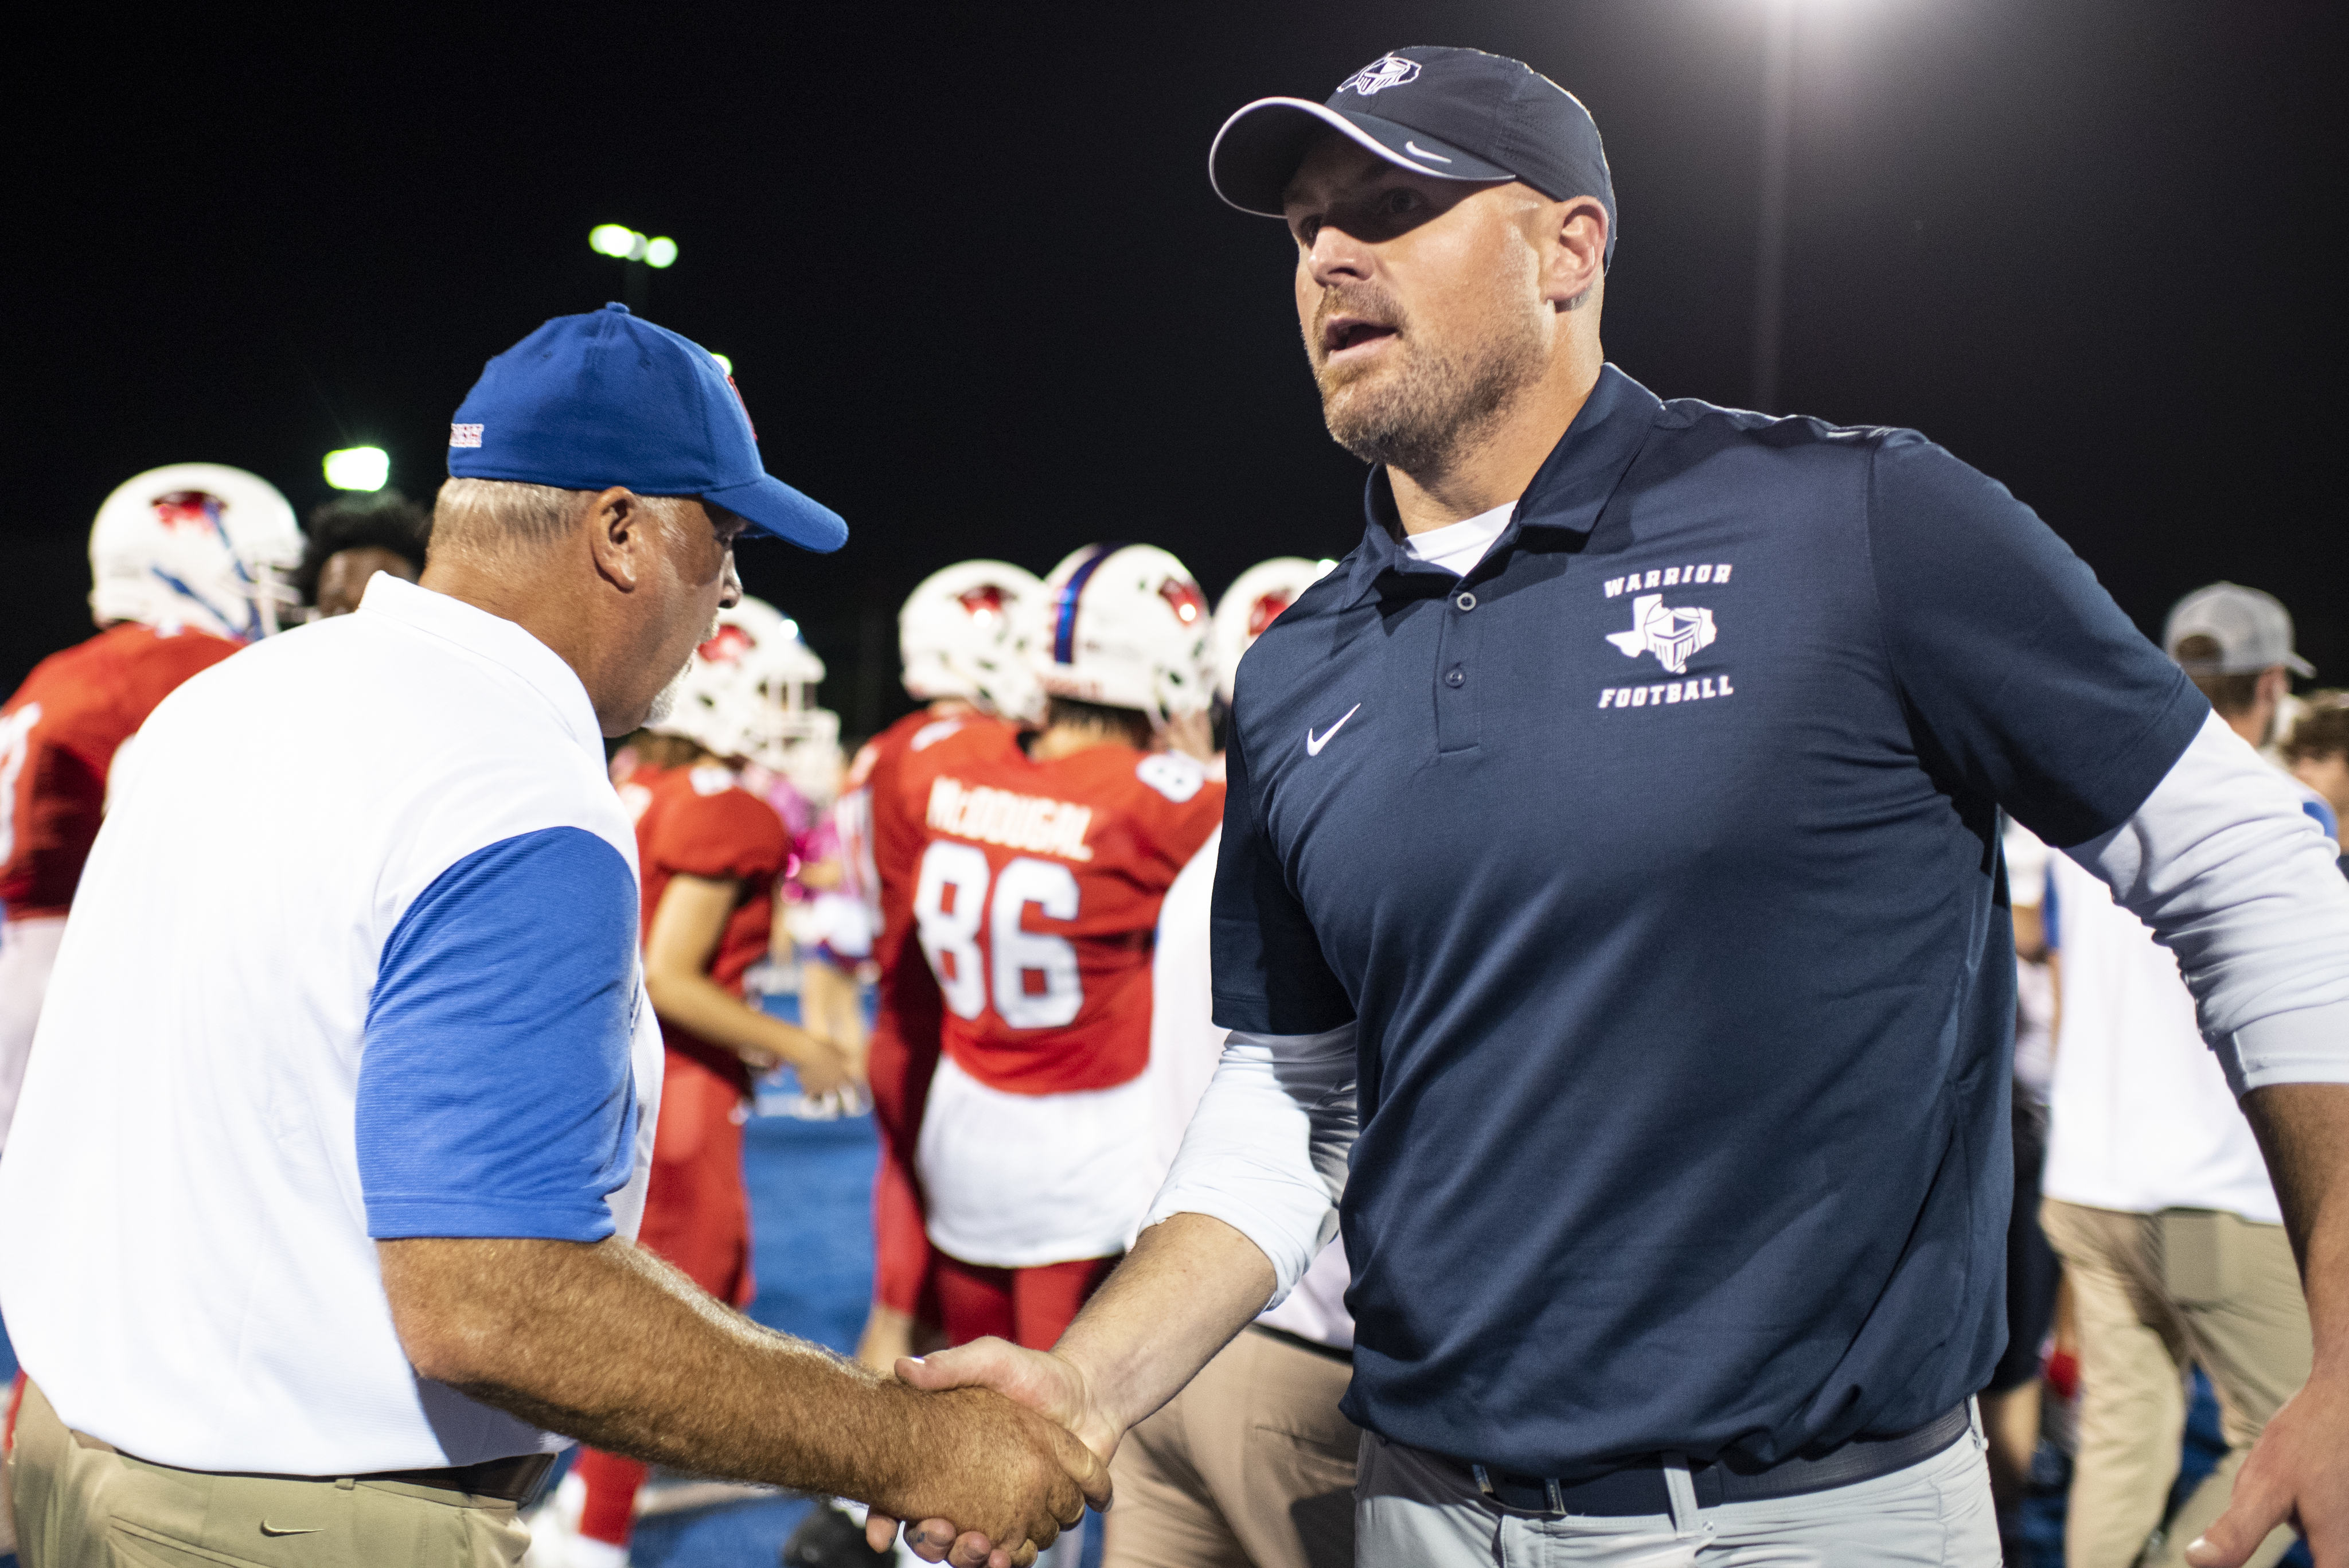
(184, 561)
(1035, 900)
(709, 854)
(961, 639)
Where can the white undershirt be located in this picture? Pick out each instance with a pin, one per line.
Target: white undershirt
(1458, 547)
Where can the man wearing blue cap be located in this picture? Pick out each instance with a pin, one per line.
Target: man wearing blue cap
(1610, 914)
(316, 1228)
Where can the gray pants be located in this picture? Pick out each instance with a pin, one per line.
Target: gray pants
(1411, 1510)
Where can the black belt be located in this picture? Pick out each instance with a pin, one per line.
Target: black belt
(1640, 1488)
(1327, 1351)
(509, 1479)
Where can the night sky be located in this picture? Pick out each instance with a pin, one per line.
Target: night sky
(980, 299)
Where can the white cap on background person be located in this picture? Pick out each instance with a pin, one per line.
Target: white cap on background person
(2252, 630)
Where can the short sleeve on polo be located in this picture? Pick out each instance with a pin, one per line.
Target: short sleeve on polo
(1270, 976)
(2030, 684)
(728, 835)
(494, 1093)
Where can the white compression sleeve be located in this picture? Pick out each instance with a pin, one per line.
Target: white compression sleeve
(1266, 1151)
(2241, 886)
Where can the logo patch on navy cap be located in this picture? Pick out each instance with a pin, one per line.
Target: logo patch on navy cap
(464, 435)
(1390, 70)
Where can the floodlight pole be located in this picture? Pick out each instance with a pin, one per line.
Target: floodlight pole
(1770, 261)
(637, 286)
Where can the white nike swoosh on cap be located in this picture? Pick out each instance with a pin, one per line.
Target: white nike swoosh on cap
(1416, 150)
(1313, 746)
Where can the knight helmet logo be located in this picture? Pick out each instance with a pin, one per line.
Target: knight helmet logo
(1672, 635)
(1393, 70)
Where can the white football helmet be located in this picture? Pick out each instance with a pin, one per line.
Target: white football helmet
(1125, 625)
(1255, 598)
(961, 634)
(750, 691)
(194, 543)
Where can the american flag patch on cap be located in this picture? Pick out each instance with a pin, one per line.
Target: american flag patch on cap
(464, 435)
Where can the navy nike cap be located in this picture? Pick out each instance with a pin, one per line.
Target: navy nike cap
(1456, 114)
(604, 398)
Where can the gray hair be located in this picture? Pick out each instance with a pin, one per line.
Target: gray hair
(493, 511)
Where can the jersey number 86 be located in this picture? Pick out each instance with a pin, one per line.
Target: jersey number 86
(951, 902)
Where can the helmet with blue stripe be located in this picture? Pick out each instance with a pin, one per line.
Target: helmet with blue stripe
(1125, 626)
(198, 545)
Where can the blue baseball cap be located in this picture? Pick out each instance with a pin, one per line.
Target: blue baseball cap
(604, 399)
(1456, 114)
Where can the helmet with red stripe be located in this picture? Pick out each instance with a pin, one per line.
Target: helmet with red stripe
(1125, 626)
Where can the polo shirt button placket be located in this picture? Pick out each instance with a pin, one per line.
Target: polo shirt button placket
(1455, 678)
(1466, 602)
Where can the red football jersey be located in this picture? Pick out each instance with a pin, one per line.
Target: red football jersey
(904, 1050)
(701, 823)
(59, 735)
(1037, 897)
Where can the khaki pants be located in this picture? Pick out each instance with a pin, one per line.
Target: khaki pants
(2155, 1293)
(1251, 1465)
(79, 1504)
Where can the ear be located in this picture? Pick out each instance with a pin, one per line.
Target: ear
(1574, 259)
(622, 536)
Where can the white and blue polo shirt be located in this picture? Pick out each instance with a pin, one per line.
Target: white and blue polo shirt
(355, 959)
(1657, 860)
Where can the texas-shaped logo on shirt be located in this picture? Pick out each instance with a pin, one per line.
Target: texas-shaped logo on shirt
(1671, 633)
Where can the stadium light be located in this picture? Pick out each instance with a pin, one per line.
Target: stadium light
(623, 243)
(358, 468)
(724, 363)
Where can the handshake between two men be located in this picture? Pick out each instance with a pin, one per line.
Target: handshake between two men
(987, 1450)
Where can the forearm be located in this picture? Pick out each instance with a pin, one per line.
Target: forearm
(1190, 1284)
(674, 1378)
(2303, 1130)
(701, 1007)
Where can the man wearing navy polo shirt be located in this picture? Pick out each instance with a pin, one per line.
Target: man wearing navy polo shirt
(1609, 914)
(319, 1222)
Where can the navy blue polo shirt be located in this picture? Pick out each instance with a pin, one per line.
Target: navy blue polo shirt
(1657, 860)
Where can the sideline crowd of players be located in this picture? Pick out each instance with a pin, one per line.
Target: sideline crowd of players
(1018, 869)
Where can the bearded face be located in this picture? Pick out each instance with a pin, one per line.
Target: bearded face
(1420, 303)
(1432, 381)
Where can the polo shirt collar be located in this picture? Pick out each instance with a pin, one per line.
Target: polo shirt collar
(495, 638)
(1568, 494)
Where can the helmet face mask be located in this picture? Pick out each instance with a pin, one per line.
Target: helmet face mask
(1125, 626)
(1255, 598)
(748, 693)
(198, 545)
(964, 633)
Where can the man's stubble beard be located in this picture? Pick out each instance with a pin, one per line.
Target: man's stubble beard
(1421, 414)
(664, 700)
